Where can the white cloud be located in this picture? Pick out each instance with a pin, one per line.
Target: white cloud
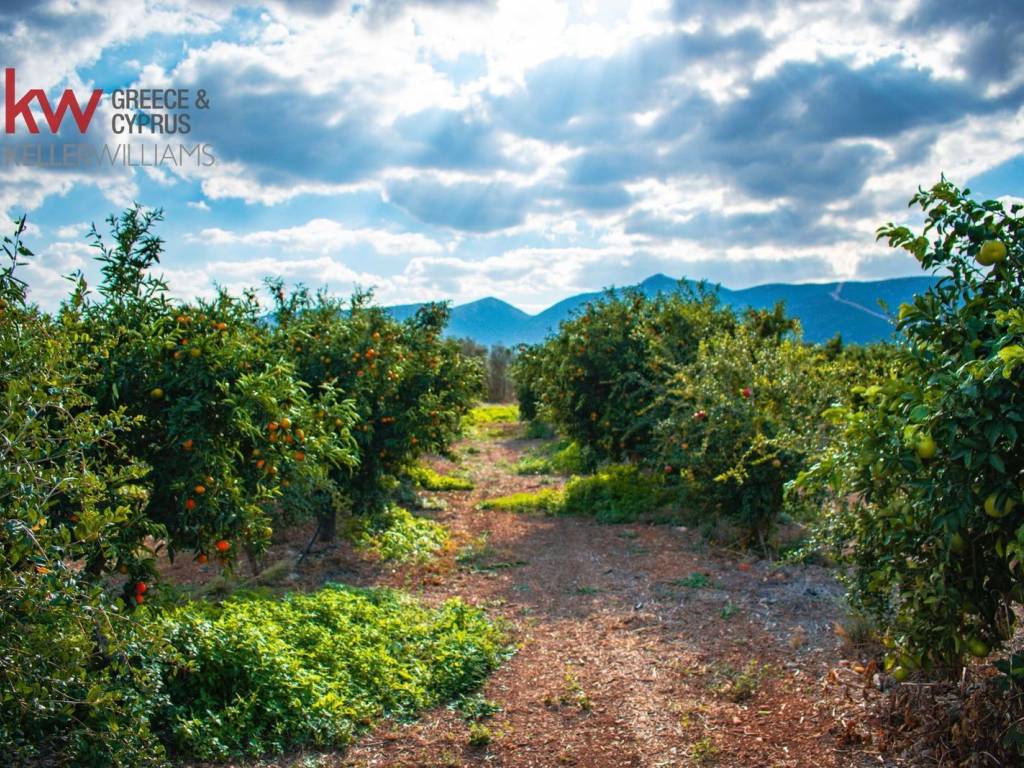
(325, 236)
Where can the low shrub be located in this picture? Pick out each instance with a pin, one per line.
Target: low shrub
(431, 480)
(559, 458)
(397, 534)
(615, 494)
(547, 500)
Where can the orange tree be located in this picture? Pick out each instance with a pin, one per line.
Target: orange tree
(73, 676)
(221, 425)
(409, 387)
(599, 374)
(931, 458)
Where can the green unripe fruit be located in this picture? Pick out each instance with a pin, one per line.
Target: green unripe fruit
(992, 252)
(926, 447)
(956, 544)
(900, 674)
(992, 509)
(156, 393)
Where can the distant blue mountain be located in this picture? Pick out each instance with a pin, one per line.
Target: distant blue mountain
(824, 309)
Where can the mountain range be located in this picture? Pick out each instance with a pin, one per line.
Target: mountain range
(824, 309)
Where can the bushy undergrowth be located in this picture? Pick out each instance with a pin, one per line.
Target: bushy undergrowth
(614, 494)
(256, 675)
(430, 480)
(548, 500)
(556, 458)
(397, 534)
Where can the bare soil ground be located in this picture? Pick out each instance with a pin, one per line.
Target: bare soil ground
(625, 657)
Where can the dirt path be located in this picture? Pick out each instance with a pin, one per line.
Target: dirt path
(626, 658)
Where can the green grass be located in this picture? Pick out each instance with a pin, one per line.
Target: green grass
(533, 465)
(259, 675)
(475, 707)
(399, 535)
(492, 413)
(615, 494)
(480, 735)
(546, 500)
(704, 752)
(729, 610)
(693, 581)
(430, 480)
(552, 459)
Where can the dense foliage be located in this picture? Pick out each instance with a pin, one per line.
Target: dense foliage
(409, 388)
(131, 422)
(932, 454)
(207, 396)
(743, 418)
(595, 379)
(720, 410)
(69, 660)
(329, 663)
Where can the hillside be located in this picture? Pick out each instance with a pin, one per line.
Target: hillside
(824, 309)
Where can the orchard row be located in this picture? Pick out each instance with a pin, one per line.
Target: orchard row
(906, 458)
(217, 421)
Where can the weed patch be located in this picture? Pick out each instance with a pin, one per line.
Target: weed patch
(254, 675)
(430, 480)
(397, 534)
(546, 500)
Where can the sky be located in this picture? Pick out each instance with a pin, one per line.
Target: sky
(523, 149)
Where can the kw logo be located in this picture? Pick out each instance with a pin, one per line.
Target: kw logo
(15, 108)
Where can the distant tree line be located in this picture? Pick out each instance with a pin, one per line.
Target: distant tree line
(497, 361)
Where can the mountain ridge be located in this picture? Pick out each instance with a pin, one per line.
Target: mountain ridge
(849, 307)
